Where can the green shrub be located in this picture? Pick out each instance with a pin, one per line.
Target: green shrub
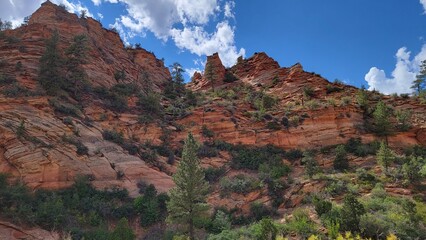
(301, 224)
(259, 211)
(113, 136)
(273, 126)
(6, 79)
(120, 75)
(238, 184)
(229, 77)
(340, 161)
(308, 92)
(331, 89)
(207, 151)
(206, 132)
(251, 158)
(64, 108)
(125, 89)
(322, 206)
(213, 174)
(150, 103)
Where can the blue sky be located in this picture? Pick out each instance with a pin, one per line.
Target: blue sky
(376, 43)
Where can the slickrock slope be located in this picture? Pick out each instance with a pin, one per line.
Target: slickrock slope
(39, 156)
(106, 55)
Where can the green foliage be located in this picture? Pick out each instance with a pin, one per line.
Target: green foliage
(188, 197)
(122, 231)
(220, 222)
(119, 75)
(412, 169)
(5, 25)
(321, 205)
(64, 108)
(6, 79)
(239, 184)
(76, 55)
(385, 157)
(113, 136)
(229, 77)
(259, 211)
(388, 214)
(125, 89)
(206, 132)
(301, 224)
(150, 206)
(362, 99)
(308, 92)
(51, 76)
(311, 165)
(150, 103)
(331, 89)
(403, 117)
(80, 206)
(351, 213)
(213, 174)
(251, 157)
(273, 125)
(359, 149)
(81, 148)
(419, 83)
(340, 161)
(382, 123)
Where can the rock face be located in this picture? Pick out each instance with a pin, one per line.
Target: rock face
(106, 56)
(214, 70)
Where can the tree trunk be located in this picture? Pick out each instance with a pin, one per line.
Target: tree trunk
(191, 230)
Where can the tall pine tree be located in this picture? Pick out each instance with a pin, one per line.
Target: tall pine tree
(382, 124)
(51, 63)
(188, 197)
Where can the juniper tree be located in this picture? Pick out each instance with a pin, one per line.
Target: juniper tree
(311, 165)
(209, 74)
(188, 197)
(341, 160)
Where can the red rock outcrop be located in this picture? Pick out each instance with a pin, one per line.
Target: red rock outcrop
(106, 56)
(213, 69)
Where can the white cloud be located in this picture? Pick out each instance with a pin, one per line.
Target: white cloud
(229, 6)
(183, 21)
(190, 71)
(16, 10)
(200, 42)
(423, 2)
(96, 2)
(402, 76)
(100, 16)
(73, 7)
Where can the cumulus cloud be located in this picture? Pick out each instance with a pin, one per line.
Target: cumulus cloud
(402, 76)
(423, 2)
(200, 42)
(183, 21)
(96, 2)
(16, 10)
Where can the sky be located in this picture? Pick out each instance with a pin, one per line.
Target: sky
(376, 43)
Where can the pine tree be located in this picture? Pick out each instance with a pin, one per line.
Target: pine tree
(188, 197)
(351, 213)
(420, 82)
(382, 124)
(51, 63)
(340, 161)
(385, 156)
(76, 57)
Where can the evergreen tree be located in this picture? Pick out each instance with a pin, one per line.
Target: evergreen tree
(51, 63)
(340, 161)
(122, 231)
(382, 124)
(76, 56)
(188, 197)
(5, 25)
(362, 99)
(420, 82)
(311, 165)
(351, 213)
(385, 156)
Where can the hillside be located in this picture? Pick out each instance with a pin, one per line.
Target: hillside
(259, 126)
